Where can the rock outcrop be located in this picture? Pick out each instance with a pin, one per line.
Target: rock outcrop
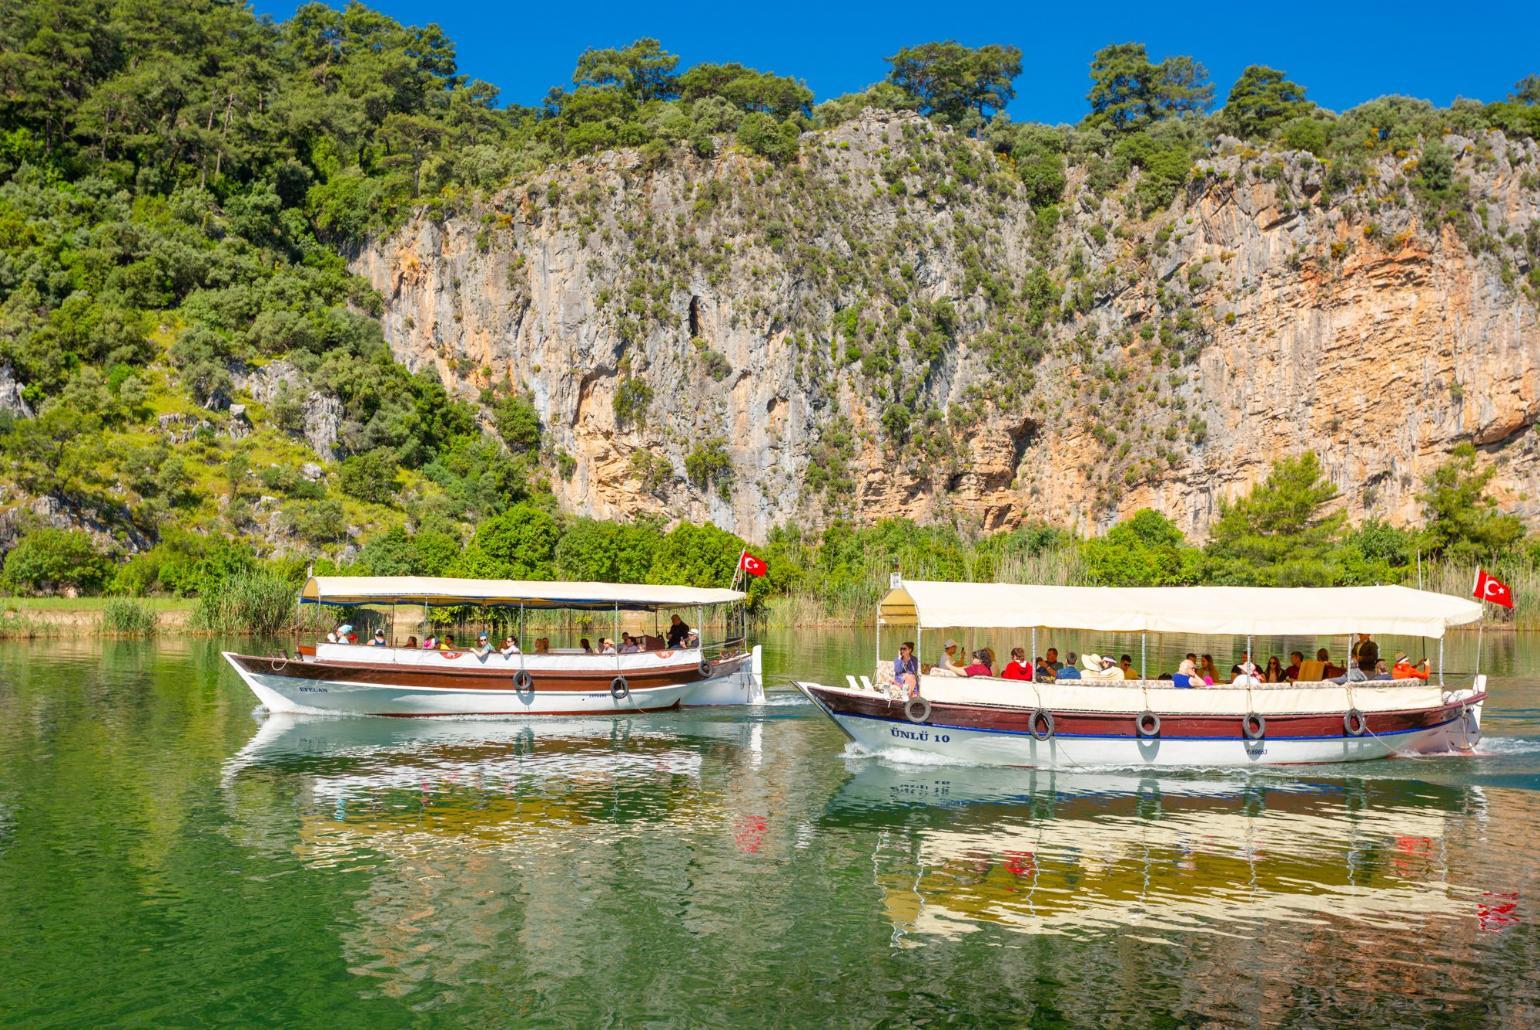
(891, 328)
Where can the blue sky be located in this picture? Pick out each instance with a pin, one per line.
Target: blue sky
(1343, 53)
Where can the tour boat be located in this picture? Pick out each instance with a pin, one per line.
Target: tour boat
(342, 678)
(1092, 723)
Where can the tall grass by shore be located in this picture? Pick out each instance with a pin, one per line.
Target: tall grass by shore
(257, 603)
(128, 617)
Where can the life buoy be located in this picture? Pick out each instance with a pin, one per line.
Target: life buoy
(523, 681)
(1041, 724)
(704, 668)
(1254, 726)
(619, 688)
(917, 709)
(1148, 724)
(665, 654)
(1354, 723)
(451, 654)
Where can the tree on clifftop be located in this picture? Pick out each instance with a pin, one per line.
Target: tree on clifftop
(955, 83)
(644, 70)
(1128, 92)
(1261, 100)
(1464, 524)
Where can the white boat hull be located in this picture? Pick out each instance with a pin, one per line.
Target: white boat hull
(744, 687)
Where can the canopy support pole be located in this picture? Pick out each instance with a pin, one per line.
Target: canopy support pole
(1478, 643)
(616, 638)
(1143, 673)
(520, 642)
(1034, 652)
(1249, 659)
(1441, 661)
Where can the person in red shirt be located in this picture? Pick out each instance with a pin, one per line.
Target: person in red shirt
(980, 665)
(1018, 668)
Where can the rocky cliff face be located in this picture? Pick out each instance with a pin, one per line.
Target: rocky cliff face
(891, 328)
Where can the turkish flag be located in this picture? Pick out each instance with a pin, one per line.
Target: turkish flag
(1490, 588)
(752, 565)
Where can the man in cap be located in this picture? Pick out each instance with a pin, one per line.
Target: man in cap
(378, 640)
(950, 664)
(1405, 670)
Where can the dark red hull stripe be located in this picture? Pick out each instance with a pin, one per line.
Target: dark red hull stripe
(1120, 725)
(1162, 735)
(529, 715)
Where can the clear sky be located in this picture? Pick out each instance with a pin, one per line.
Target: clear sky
(1344, 53)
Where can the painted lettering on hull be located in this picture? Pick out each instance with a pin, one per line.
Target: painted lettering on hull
(923, 736)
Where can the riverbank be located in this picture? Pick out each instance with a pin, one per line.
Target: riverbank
(25, 618)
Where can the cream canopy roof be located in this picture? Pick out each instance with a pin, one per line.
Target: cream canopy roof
(511, 592)
(1280, 611)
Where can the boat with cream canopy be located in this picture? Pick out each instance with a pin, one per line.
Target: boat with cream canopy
(990, 720)
(345, 678)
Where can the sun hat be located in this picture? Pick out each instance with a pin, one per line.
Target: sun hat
(1092, 662)
(948, 645)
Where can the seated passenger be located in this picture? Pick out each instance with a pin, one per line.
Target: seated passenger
(1044, 672)
(430, 643)
(1188, 666)
(378, 640)
(1099, 667)
(411, 641)
(447, 644)
(1069, 672)
(1244, 678)
(1126, 666)
(1018, 668)
(340, 634)
(508, 648)
(1051, 658)
(678, 630)
(905, 664)
(1273, 673)
(1207, 672)
(979, 666)
(950, 664)
(1381, 670)
(692, 640)
(543, 645)
(628, 644)
(1405, 670)
(1296, 659)
(586, 647)
(606, 646)
(1328, 670)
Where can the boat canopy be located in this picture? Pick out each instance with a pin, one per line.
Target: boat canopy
(513, 593)
(1203, 611)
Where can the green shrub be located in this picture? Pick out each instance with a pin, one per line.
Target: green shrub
(48, 559)
(709, 464)
(632, 398)
(518, 423)
(370, 476)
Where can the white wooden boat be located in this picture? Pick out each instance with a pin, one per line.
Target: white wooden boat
(1136, 723)
(359, 679)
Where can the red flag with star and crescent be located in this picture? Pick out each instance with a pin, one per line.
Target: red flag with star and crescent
(1490, 588)
(752, 565)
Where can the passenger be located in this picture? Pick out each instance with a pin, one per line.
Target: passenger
(1405, 670)
(586, 646)
(1296, 659)
(905, 664)
(430, 643)
(628, 644)
(979, 666)
(1187, 671)
(910, 684)
(950, 664)
(1126, 665)
(1244, 678)
(1353, 675)
(1099, 667)
(1274, 671)
(1381, 671)
(411, 642)
(1207, 672)
(1069, 672)
(1328, 670)
(1018, 668)
(483, 646)
(678, 630)
(1043, 671)
(509, 648)
(989, 656)
(606, 646)
(1312, 670)
(447, 644)
(1366, 653)
(1051, 656)
(340, 634)
(1248, 666)
(378, 640)
(692, 641)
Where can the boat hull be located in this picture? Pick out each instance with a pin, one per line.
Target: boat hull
(370, 688)
(989, 735)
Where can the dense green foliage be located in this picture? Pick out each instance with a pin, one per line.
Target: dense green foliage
(178, 184)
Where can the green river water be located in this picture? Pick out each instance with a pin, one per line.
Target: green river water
(170, 857)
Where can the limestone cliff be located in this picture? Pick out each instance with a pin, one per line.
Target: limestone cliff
(889, 327)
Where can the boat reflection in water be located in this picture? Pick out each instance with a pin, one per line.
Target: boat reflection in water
(1081, 854)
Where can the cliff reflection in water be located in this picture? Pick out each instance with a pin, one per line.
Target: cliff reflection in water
(569, 849)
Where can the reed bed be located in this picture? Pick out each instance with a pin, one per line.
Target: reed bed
(128, 617)
(257, 603)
